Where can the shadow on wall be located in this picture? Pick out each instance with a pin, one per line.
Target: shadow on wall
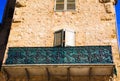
(5, 27)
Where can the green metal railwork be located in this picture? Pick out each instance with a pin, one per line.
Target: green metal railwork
(60, 55)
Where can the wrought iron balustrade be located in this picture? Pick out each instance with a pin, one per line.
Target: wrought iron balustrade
(60, 55)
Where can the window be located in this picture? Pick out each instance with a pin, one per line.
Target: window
(63, 38)
(104, 1)
(62, 5)
(58, 38)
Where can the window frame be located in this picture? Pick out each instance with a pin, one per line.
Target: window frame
(65, 6)
(62, 38)
(63, 42)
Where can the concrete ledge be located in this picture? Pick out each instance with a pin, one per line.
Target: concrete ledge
(57, 72)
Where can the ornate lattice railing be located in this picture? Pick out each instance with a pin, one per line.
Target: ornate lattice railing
(60, 55)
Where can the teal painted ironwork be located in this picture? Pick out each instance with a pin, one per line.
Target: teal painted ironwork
(60, 55)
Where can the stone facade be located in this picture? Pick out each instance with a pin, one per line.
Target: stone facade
(35, 22)
(91, 19)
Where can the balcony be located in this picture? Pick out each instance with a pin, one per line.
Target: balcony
(56, 62)
(61, 55)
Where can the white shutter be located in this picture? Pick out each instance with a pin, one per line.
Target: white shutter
(69, 38)
(64, 38)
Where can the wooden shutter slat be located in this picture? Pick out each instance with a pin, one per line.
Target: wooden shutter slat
(70, 4)
(59, 6)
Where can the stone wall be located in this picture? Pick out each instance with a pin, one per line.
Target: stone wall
(35, 22)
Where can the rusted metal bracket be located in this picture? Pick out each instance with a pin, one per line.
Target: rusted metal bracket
(48, 74)
(5, 73)
(27, 74)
